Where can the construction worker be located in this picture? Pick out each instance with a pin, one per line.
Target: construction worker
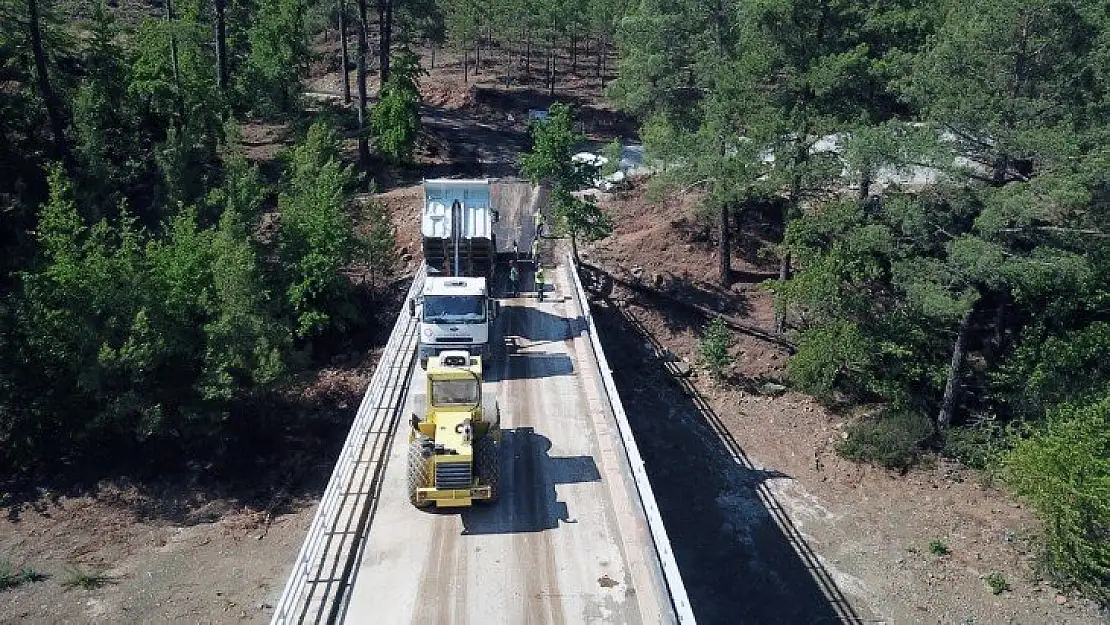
(514, 276)
(539, 281)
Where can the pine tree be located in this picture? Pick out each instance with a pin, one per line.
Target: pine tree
(395, 120)
(316, 239)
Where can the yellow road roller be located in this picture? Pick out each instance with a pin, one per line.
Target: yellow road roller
(454, 446)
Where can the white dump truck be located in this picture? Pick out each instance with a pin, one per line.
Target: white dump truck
(455, 308)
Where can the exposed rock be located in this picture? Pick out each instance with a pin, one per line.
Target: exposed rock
(770, 388)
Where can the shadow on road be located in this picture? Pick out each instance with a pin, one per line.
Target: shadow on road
(530, 366)
(741, 558)
(535, 324)
(529, 474)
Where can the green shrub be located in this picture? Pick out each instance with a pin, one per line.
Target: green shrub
(1063, 469)
(938, 548)
(997, 583)
(77, 577)
(825, 355)
(892, 438)
(713, 348)
(612, 153)
(975, 444)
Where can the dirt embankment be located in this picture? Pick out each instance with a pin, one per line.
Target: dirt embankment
(769, 524)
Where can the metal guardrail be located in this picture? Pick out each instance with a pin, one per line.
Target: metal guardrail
(675, 587)
(319, 582)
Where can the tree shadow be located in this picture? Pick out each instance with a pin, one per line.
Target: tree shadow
(529, 475)
(531, 366)
(477, 145)
(742, 559)
(529, 323)
(680, 313)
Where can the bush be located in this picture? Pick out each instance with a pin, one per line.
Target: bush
(825, 354)
(997, 583)
(713, 348)
(975, 444)
(892, 438)
(938, 548)
(1063, 469)
(77, 577)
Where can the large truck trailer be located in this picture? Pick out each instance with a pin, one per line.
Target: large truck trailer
(455, 308)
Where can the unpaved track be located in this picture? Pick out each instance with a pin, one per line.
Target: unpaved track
(566, 543)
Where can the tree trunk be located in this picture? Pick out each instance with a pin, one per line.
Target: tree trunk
(49, 98)
(604, 62)
(951, 389)
(527, 52)
(507, 55)
(1004, 300)
(221, 46)
(434, 46)
(724, 250)
(466, 67)
(792, 206)
(551, 58)
(784, 275)
(345, 58)
(600, 61)
(998, 338)
(477, 54)
(363, 50)
(574, 51)
(385, 38)
(176, 67)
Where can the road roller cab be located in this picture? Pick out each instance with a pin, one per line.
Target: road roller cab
(454, 444)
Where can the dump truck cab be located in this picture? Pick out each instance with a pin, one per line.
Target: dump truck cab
(454, 444)
(455, 313)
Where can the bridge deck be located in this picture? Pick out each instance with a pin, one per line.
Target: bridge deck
(576, 535)
(567, 541)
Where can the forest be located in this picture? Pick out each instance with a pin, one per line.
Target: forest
(938, 174)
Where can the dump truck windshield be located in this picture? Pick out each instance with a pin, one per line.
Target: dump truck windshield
(454, 392)
(454, 309)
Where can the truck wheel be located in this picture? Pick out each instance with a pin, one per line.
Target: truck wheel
(418, 472)
(487, 464)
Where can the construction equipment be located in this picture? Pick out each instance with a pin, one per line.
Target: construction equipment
(455, 314)
(457, 227)
(455, 308)
(453, 447)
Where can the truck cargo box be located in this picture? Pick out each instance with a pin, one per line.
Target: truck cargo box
(451, 204)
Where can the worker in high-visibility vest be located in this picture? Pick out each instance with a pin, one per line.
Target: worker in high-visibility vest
(540, 222)
(514, 276)
(539, 282)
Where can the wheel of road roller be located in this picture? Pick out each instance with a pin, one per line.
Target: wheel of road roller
(418, 471)
(487, 463)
